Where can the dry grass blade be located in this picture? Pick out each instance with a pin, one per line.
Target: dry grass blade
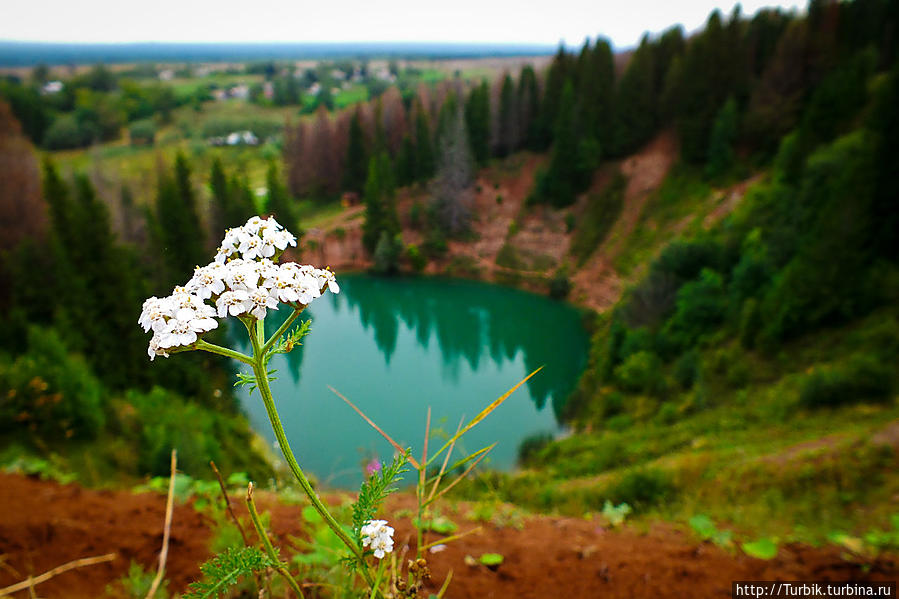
(443, 491)
(396, 445)
(424, 451)
(485, 412)
(446, 582)
(452, 538)
(218, 475)
(449, 452)
(167, 529)
(467, 459)
(36, 580)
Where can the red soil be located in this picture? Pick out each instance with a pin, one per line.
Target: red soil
(45, 524)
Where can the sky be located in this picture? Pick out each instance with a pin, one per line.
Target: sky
(492, 21)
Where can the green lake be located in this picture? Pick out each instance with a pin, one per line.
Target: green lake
(395, 346)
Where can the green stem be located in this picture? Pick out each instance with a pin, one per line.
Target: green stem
(256, 338)
(267, 543)
(286, 325)
(224, 351)
(374, 588)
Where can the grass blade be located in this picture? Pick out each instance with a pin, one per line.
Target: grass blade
(396, 445)
(484, 413)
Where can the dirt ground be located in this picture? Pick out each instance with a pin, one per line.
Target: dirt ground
(44, 524)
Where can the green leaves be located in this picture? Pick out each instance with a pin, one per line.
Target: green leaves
(761, 549)
(374, 490)
(225, 569)
(290, 340)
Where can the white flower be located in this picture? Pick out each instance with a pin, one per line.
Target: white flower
(378, 536)
(241, 276)
(155, 350)
(233, 303)
(262, 298)
(278, 238)
(252, 247)
(154, 313)
(208, 280)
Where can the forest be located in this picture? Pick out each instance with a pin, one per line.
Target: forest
(743, 308)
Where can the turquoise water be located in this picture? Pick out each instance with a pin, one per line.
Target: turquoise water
(395, 346)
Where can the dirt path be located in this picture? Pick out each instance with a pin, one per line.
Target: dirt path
(597, 284)
(44, 524)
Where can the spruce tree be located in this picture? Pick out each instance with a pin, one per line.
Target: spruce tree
(721, 142)
(179, 231)
(424, 162)
(278, 201)
(380, 203)
(508, 138)
(477, 118)
(356, 168)
(221, 210)
(528, 106)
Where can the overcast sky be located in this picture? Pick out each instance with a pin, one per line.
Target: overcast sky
(500, 21)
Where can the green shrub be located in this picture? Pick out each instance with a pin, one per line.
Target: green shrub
(559, 285)
(864, 377)
(142, 132)
(686, 369)
(162, 420)
(387, 254)
(642, 488)
(416, 258)
(532, 445)
(508, 257)
(49, 391)
(66, 133)
(640, 372)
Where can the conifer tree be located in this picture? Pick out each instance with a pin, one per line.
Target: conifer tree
(278, 201)
(507, 137)
(380, 203)
(222, 209)
(721, 143)
(477, 118)
(424, 147)
(451, 193)
(559, 183)
(178, 224)
(356, 166)
(528, 106)
(635, 101)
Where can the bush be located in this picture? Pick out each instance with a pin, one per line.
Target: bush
(49, 391)
(532, 445)
(863, 378)
(142, 132)
(642, 488)
(162, 420)
(387, 254)
(417, 260)
(508, 257)
(559, 285)
(66, 133)
(640, 372)
(686, 369)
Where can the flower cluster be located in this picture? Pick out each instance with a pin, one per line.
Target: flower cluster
(241, 281)
(378, 536)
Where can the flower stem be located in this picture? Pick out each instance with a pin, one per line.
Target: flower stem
(286, 325)
(256, 338)
(224, 351)
(267, 543)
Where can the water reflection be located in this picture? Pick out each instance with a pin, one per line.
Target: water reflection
(470, 323)
(397, 346)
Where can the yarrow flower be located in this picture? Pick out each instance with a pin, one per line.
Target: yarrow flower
(377, 536)
(242, 280)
